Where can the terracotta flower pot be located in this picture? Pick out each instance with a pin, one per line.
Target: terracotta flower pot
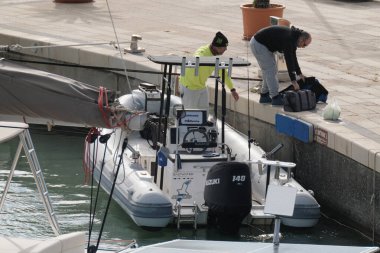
(256, 18)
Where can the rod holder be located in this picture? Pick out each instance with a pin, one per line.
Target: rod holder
(229, 67)
(196, 66)
(183, 66)
(217, 67)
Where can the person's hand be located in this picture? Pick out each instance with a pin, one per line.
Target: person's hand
(234, 94)
(302, 77)
(295, 85)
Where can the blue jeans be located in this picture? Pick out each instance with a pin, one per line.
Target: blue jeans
(267, 62)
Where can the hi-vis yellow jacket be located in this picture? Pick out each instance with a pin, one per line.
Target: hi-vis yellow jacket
(193, 82)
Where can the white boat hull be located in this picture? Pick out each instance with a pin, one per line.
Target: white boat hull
(151, 195)
(135, 190)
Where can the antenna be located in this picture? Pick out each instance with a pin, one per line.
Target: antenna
(250, 140)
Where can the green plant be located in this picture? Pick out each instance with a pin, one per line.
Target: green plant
(261, 3)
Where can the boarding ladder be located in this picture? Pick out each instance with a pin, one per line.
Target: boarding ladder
(186, 214)
(27, 144)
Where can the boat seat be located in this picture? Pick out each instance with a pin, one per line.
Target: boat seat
(68, 243)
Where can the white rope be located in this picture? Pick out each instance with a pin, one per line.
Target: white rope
(120, 52)
(17, 47)
(248, 109)
(247, 42)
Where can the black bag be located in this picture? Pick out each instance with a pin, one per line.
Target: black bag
(302, 100)
(311, 83)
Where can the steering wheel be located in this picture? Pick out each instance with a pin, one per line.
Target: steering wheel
(195, 141)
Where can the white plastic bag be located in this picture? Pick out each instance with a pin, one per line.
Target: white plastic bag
(332, 111)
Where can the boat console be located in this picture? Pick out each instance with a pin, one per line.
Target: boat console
(192, 132)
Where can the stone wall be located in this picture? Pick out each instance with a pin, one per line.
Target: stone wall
(347, 190)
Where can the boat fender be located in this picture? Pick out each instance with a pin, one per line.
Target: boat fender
(104, 138)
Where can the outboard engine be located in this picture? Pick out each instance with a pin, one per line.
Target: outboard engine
(228, 195)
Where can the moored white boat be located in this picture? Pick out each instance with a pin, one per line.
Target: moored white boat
(175, 150)
(155, 194)
(175, 186)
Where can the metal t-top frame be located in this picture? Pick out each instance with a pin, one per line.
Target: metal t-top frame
(220, 63)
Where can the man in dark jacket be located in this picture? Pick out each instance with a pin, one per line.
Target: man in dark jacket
(281, 39)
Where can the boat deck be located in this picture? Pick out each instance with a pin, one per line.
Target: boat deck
(245, 247)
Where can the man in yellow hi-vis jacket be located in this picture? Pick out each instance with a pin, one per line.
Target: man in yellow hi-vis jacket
(193, 88)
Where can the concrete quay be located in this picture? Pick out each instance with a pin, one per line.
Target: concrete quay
(343, 162)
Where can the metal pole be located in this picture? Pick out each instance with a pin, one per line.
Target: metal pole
(276, 233)
(10, 176)
(160, 116)
(164, 79)
(216, 99)
(223, 104)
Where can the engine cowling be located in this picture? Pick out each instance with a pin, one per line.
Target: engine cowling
(228, 195)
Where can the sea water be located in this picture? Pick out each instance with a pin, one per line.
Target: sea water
(60, 154)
